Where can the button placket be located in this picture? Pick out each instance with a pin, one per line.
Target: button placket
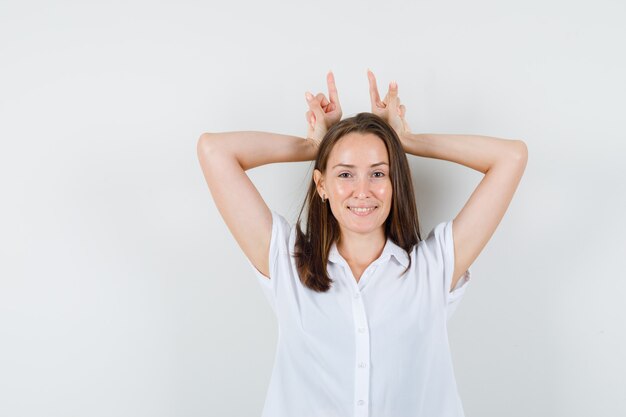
(362, 343)
(365, 276)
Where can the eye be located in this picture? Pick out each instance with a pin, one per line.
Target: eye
(379, 172)
(340, 175)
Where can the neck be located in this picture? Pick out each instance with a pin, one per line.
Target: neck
(361, 249)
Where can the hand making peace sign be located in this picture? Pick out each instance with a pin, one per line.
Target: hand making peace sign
(322, 113)
(390, 108)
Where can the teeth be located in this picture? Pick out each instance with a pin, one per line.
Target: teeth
(362, 210)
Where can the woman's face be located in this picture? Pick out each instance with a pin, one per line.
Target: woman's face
(355, 178)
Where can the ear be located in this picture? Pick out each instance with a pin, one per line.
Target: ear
(318, 178)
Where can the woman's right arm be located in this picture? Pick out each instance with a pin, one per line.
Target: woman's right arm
(224, 158)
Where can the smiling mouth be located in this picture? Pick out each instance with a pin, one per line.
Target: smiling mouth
(362, 211)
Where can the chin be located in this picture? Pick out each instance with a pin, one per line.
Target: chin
(362, 227)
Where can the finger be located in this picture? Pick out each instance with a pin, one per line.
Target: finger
(314, 105)
(374, 96)
(322, 99)
(402, 110)
(314, 101)
(406, 126)
(391, 99)
(308, 116)
(393, 91)
(332, 88)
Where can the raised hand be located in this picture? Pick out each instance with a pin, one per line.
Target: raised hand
(390, 108)
(323, 112)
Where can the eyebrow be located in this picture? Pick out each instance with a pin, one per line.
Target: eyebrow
(354, 166)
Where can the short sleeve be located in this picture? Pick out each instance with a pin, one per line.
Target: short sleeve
(278, 257)
(440, 251)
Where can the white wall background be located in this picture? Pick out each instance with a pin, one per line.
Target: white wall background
(122, 292)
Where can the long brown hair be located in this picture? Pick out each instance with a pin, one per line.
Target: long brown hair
(322, 229)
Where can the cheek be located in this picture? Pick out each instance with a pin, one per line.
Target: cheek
(384, 190)
(343, 189)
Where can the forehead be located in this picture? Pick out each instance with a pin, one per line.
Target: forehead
(360, 149)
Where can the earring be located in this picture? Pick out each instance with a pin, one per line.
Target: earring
(323, 198)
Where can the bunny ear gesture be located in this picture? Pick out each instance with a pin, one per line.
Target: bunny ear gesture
(323, 113)
(390, 108)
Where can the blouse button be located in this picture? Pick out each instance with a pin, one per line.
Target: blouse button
(357, 295)
(361, 402)
(361, 329)
(362, 365)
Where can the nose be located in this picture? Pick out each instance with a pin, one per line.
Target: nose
(362, 188)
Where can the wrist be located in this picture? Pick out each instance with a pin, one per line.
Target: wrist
(414, 143)
(312, 145)
(316, 135)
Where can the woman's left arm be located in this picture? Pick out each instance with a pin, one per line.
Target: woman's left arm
(501, 160)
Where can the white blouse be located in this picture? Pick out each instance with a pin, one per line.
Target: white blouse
(376, 348)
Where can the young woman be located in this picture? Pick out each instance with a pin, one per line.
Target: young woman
(362, 301)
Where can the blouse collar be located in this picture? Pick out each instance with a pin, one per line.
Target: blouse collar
(389, 250)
